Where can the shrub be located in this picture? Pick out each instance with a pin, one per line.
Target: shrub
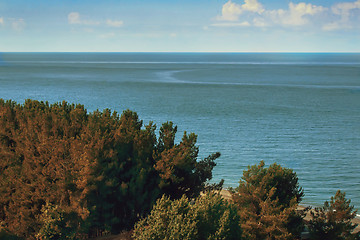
(267, 199)
(56, 224)
(334, 220)
(206, 217)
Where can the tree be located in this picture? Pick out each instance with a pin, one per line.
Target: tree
(177, 164)
(267, 199)
(333, 221)
(56, 224)
(206, 217)
(104, 170)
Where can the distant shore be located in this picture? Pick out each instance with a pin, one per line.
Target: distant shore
(227, 195)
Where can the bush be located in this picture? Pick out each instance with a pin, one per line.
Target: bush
(334, 220)
(206, 217)
(56, 224)
(267, 199)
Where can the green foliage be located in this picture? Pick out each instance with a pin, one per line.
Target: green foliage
(177, 164)
(106, 170)
(56, 224)
(282, 181)
(267, 199)
(206, 217)
(333, 220)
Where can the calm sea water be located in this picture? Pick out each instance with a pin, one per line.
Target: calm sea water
(299, 110)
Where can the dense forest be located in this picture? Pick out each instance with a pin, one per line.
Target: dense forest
(69, 174)
(104, 171)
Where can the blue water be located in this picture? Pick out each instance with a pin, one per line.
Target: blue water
(299, 110)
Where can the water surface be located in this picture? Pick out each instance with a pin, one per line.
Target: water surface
(299, 110)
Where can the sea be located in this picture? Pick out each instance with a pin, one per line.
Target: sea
(300, 110)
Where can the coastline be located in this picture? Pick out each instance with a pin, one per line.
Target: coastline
(291, 97)
(227, 196)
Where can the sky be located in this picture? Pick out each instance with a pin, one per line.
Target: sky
(179, 26)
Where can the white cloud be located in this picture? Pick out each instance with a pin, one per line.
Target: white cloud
(331, 26)
(260, 22)
(344, 9)
(18, 24)
(232, 24)
(297, 13)
(231, 11)
(253, 6)
(74, 18)
(114, 23)
(274, 17)
(347, 16)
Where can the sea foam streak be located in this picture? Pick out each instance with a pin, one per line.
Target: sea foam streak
(299, 110)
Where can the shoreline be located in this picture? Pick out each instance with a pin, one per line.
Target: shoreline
(227, 196)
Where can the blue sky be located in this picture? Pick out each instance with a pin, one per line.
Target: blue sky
(179, 26)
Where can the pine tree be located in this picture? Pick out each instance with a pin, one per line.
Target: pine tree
(104, 170)
(333, 221)
(267, 199)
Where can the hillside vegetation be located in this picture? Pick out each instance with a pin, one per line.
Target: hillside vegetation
(97, 172)
(69, 174)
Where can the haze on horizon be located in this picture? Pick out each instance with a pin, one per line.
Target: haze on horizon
(179, 26)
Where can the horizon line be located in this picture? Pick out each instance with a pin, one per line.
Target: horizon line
(178, 52)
